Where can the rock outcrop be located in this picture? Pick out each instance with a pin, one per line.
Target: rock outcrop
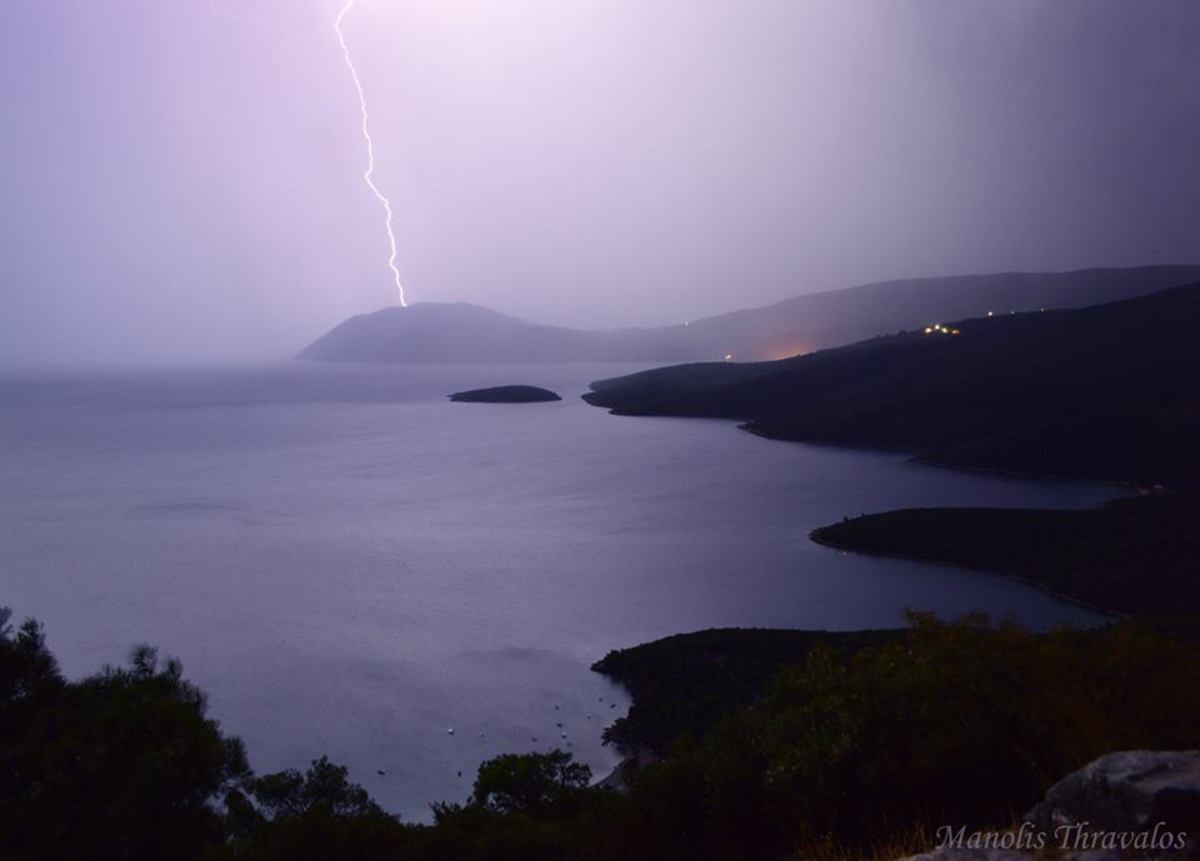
(1129, 790)
(1130, 804)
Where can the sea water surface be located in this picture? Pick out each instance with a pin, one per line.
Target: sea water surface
(351, 565)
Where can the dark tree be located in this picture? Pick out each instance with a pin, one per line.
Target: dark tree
(121, 765)
(534, 783)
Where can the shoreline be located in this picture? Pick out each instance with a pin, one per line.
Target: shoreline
(617, 778)
(919, 459)
(1112, 615)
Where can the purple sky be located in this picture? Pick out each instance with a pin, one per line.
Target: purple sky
(181, 180)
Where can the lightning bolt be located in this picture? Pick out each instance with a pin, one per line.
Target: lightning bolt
(369, 174)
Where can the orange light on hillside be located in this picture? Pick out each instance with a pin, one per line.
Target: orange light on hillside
(789, 352)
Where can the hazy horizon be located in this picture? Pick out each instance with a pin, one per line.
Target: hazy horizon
(184, 180)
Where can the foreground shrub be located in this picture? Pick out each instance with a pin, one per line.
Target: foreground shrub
(848, 754)
(966, 723)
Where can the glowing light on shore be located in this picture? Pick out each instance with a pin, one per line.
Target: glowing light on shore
(939, 329)
(369, 174)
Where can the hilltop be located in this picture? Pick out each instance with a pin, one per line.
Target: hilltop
(460, 332)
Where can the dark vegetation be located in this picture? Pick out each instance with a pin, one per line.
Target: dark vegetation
(506, 395)
(1138, 555)
(683, 684)
(428, 332)
(123, 764)
(1108, 392)
(841, 748)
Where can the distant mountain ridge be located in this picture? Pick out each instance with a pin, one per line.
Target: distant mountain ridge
(434, 332)
(461, 332)
(834, 318)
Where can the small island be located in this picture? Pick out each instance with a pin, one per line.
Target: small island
(506, 395)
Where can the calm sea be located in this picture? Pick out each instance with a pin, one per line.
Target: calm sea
(351, 565)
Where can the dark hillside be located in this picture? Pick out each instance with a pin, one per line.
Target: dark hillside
(1108, 392)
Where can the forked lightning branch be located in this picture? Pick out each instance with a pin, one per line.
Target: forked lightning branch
(369, 173)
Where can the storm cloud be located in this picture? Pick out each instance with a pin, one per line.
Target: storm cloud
(182, 181)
